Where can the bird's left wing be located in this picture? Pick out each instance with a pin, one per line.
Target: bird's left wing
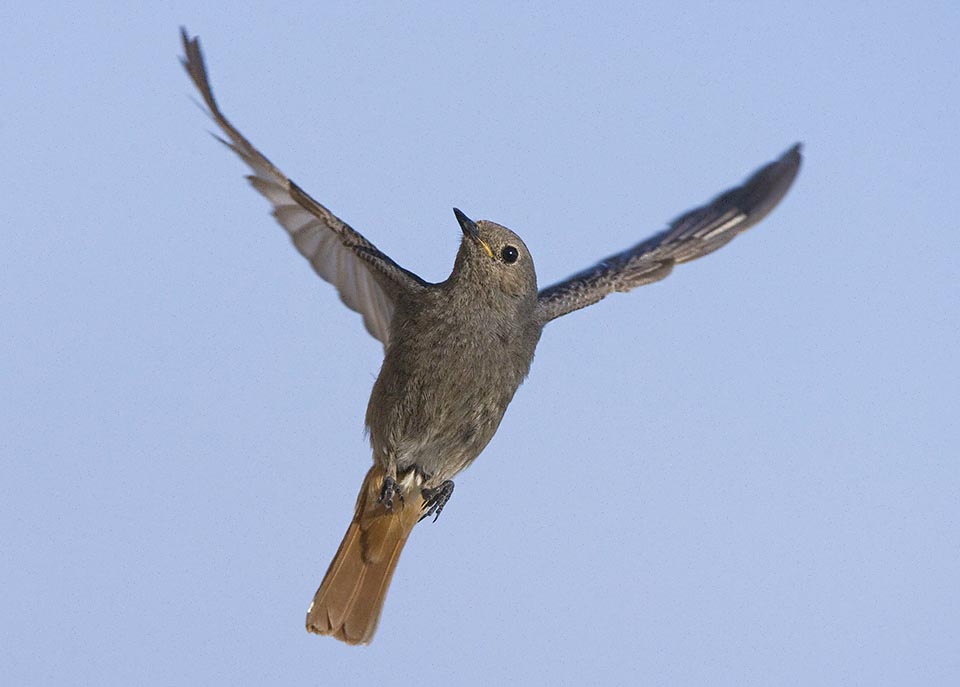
(690, 236)
(366, 279)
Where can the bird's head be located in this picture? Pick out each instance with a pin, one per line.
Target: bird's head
(493, 257)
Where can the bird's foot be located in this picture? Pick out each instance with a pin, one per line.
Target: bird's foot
(435, 499)
(389, 489)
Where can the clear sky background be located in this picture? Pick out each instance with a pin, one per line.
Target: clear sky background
(744, 475)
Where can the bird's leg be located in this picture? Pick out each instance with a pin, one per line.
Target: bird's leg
(389, 489)
(435, 499)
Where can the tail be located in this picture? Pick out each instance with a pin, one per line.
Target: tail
(348, 603)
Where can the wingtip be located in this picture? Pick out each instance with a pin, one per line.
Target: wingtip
(789, 161)
(795, 151)
(187, 42)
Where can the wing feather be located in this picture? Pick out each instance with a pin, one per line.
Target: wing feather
(366, 279)
(690, 236)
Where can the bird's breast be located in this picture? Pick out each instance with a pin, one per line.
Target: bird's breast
(445, 383)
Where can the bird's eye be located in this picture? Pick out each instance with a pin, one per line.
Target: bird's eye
(509, 254)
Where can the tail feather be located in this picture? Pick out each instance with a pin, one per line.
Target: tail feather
(348, 603)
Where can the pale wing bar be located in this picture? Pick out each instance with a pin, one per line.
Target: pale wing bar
(690, 236)
(365, 278)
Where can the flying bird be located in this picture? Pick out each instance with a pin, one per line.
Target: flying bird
(455, 352)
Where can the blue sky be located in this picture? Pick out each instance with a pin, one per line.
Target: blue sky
(745, 474)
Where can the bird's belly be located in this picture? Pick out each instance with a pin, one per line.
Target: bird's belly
(437, 410)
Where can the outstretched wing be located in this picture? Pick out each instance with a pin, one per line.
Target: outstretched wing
(368, 281)
(688, 237)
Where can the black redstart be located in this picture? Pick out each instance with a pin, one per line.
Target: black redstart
(455, 352)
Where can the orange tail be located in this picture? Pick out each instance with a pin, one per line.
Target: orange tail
(348, 603)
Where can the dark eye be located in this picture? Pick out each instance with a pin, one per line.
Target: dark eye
(509, 254)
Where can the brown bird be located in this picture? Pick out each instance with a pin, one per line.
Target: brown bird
(454, 352)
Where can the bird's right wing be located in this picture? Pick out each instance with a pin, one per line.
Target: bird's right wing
(690, 236)
(366, 278)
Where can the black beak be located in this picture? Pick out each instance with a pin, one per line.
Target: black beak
(468, 226)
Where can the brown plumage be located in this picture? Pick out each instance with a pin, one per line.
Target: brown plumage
(348, 603)
(456, 351)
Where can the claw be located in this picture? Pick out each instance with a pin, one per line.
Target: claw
(435, 499)
(389, 489)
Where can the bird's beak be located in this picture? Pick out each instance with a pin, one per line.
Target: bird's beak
(469, 228)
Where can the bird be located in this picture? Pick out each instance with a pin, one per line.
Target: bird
(456, 351)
